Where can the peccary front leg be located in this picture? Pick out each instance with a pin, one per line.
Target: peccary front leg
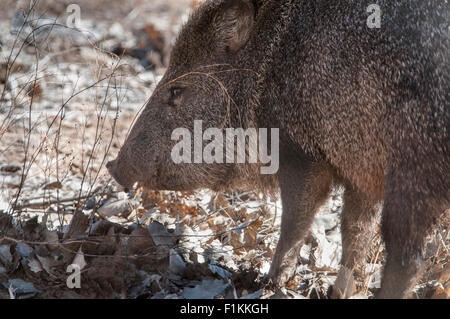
(305, 185)
(404, 262)
(414, 200)
(357, 228)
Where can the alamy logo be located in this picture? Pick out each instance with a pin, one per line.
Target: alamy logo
(233, 144)
(74, 280)
(374, 19)
(74, 18)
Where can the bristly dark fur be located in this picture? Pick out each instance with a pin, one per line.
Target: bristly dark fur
(364, 107)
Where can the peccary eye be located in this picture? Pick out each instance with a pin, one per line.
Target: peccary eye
(175, 96)
(175, 92)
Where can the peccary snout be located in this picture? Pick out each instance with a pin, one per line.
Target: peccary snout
(121, 170)
(115, 171)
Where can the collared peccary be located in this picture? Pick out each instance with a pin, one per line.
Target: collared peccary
(358, 105)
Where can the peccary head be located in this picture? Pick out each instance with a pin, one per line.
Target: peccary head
(204, 82)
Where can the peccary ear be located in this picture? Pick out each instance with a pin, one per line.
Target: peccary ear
(234, 24)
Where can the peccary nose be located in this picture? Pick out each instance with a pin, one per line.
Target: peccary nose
(119, 174)
(109, 165)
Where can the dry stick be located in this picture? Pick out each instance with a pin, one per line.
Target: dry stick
(61, 218)
(275, 216)
(366, 284)
(442, 239)
(27, 144)
(56, 146)
(62, 112)
(96, 138)
(8, 121)
(49, 203)
(32, 33)
(26, 169)
(109, 144)
(8, 65)
(51, 125)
